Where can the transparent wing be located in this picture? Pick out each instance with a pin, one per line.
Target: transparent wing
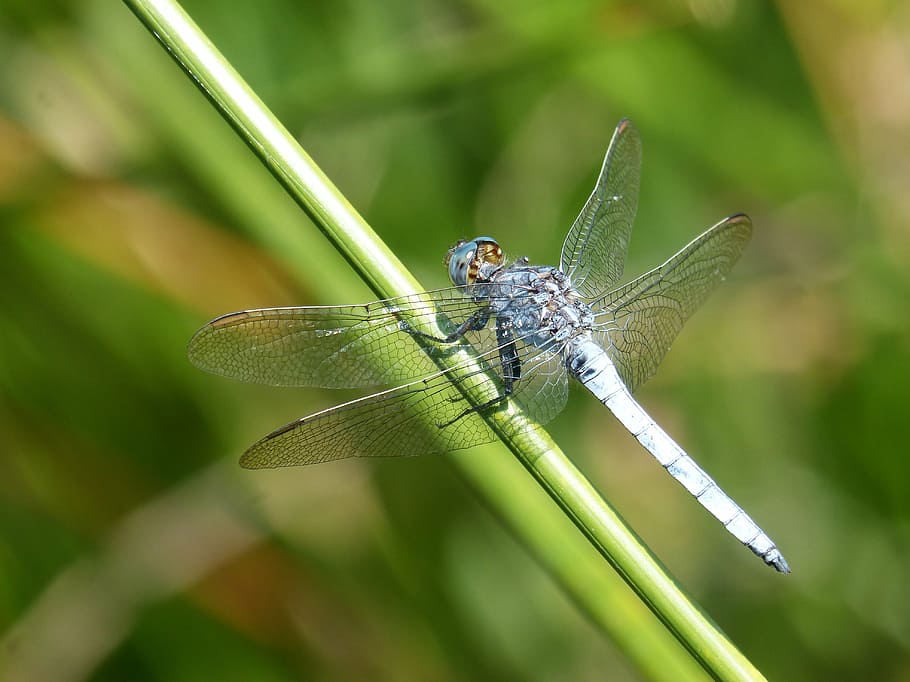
(422, 417)
(638, 322)
(331, 346)
(390, 423)
(543, 388)
(594, 252)
(338, 346)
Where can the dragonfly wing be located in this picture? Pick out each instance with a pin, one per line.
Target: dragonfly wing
(331, 346)
(594, 252)
(543, 388)
(638, 322)
(423, 417)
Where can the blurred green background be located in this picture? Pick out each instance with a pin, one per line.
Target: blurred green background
(133, 547)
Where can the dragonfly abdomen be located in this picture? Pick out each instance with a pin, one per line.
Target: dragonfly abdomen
(593, 368)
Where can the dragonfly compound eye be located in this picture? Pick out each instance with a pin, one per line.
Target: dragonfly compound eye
(488, 252)
(466, 260)
(460, 260)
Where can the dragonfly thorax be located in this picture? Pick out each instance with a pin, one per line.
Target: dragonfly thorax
(538, 303)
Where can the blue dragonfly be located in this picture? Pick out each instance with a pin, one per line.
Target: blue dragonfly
(511, 331)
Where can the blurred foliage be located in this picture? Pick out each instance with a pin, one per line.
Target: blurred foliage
(136, 549)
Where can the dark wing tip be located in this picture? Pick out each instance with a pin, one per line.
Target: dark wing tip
(625, 127)
(199, 349)
(249, 460)
(202, 348)
(276, 449)
(739, 223)
(257, 456)
(196, 348)
(739, 219)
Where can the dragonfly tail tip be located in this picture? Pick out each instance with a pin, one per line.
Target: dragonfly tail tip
(776, 560)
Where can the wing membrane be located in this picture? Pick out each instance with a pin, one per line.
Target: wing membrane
(331, 346)
(405, 421)
(543, 388)
(422, 417)
(336, 346)
(594, 252)
(638, 322)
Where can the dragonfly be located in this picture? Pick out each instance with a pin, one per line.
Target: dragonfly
(504, 337)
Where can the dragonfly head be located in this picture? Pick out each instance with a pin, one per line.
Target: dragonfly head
(466, 260)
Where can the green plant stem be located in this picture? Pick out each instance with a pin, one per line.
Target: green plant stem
(372, 260)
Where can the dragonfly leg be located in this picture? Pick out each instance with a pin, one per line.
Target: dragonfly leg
(511, 371)
(477, 320)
